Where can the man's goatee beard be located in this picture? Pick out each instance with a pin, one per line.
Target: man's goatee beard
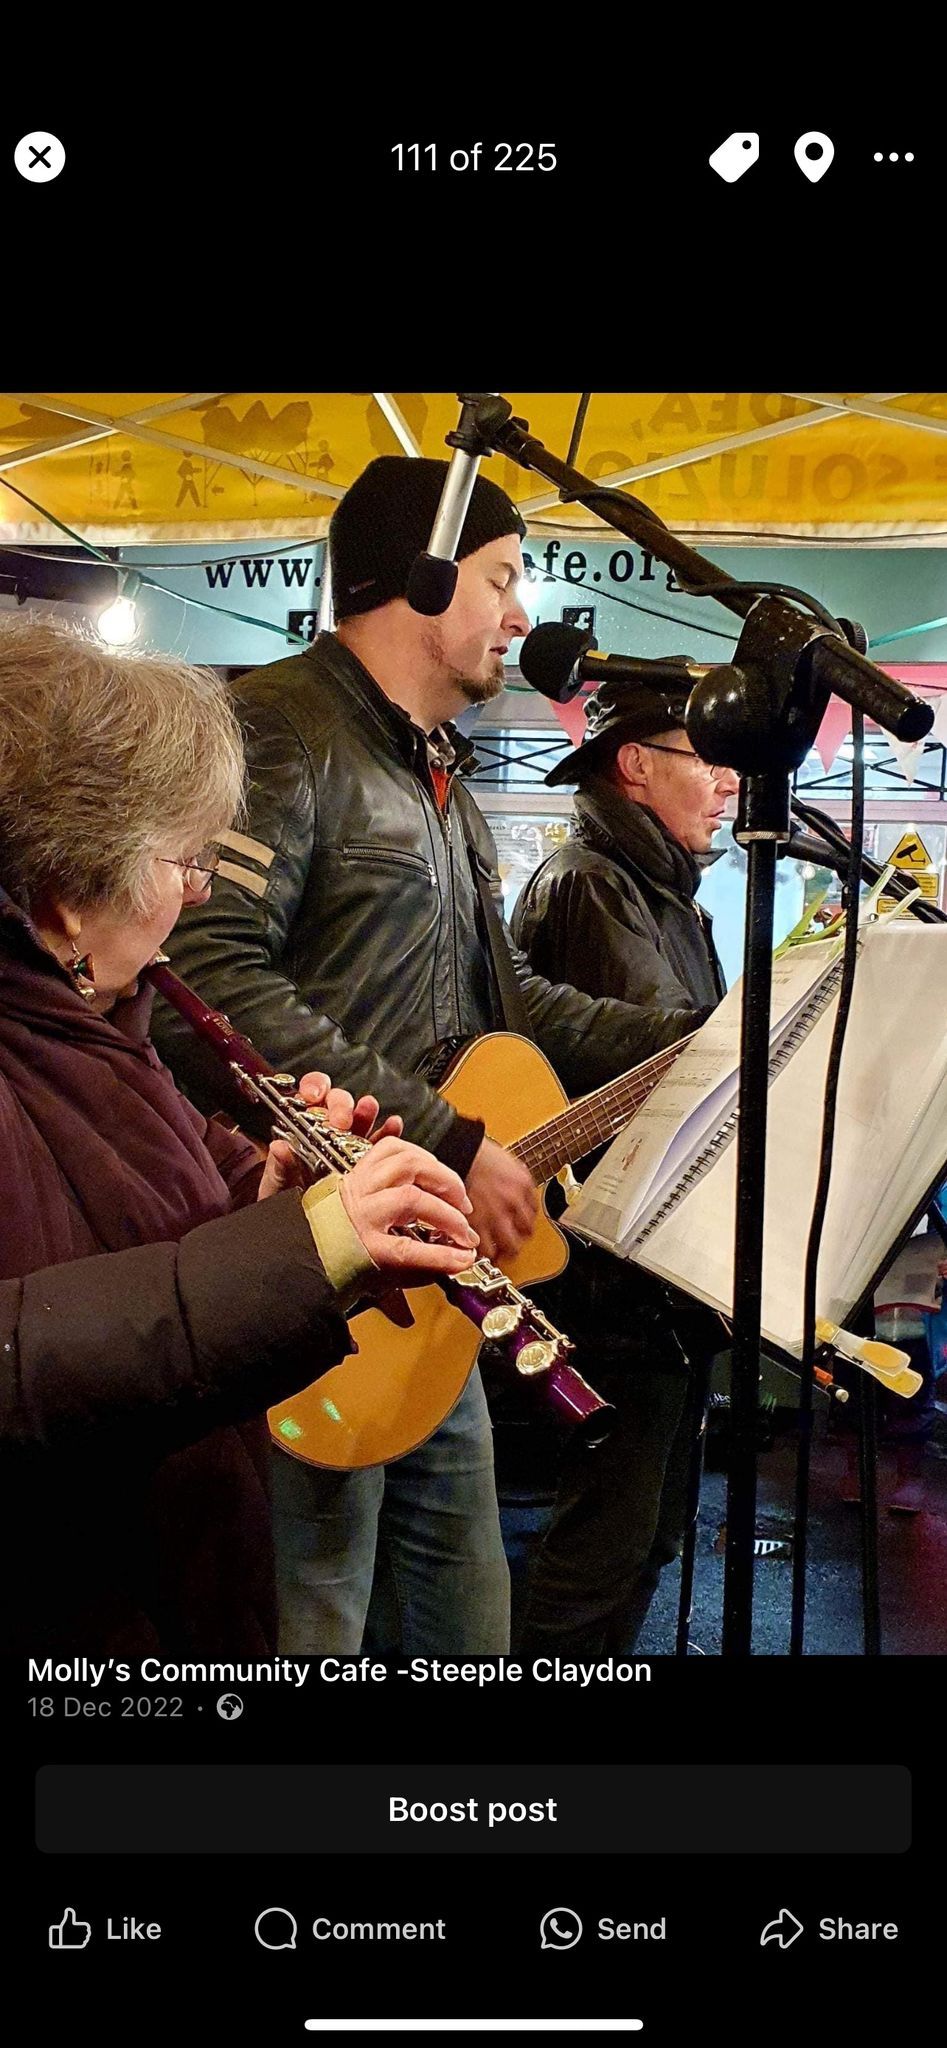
(480, 690)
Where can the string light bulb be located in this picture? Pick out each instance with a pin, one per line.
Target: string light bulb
(117, 624)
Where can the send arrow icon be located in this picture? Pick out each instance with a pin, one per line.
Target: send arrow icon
(785, 1930)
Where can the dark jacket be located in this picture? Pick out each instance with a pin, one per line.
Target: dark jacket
(344, 933)
(144, 1329)
(613, 910)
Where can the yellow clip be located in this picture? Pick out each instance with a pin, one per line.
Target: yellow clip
(884, 1362)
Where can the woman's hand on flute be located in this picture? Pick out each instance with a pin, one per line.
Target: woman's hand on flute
(285, 1170)
(397, 1185)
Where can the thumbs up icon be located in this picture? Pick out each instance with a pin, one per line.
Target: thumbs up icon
(70, 1932)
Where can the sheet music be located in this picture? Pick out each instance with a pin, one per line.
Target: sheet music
(689, 1104)
(891, 1140)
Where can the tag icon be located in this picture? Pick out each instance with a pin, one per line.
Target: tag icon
(738, 154)
(814, 154)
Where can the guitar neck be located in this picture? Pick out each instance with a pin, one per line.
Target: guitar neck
(594, 1119)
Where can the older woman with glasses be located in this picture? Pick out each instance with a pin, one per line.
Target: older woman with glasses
(152, 1303)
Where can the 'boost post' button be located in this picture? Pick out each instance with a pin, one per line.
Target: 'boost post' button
(486, 1815)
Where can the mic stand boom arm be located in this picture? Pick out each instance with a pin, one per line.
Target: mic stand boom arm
(830, 663)
(835, 852)
(760, 716)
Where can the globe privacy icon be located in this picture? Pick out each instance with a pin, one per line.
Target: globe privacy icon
(738, 154)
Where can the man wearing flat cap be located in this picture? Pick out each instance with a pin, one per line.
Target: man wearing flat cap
(613, 911)
(346, 933)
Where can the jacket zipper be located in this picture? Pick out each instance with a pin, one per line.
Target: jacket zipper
(392, 853)
(453, 903)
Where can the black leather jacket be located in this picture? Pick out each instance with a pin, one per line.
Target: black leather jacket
(343, 931)
(613, 911)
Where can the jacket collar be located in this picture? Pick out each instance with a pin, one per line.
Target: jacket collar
(24, 956)
(631, 833)
(20, 936)
(368, 696)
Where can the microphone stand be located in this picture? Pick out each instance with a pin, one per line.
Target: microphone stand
(433, 577)
(759, 716)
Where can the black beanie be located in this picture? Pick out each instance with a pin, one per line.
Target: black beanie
(384, 522)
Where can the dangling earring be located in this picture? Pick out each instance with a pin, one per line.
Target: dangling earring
(83, 973)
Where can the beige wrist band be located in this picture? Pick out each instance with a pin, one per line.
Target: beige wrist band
(337, 1242)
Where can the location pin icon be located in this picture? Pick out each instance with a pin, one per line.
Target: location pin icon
(814, 154)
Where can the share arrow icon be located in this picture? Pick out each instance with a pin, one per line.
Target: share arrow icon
(786, 1929)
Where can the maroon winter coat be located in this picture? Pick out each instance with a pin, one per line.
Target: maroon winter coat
(146, 1323)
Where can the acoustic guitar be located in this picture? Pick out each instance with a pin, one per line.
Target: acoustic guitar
(413, 1363)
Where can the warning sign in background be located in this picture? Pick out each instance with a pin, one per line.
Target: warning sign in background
(912, 854)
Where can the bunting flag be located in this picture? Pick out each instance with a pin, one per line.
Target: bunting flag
(938, 730)
(572, 718)
(907, 753)
(835, 727)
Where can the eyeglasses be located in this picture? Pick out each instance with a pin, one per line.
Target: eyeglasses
(198, 869)
(685, 754)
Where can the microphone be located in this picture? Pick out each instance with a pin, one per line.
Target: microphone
(557, 660)
(433, 577)
(818, 852)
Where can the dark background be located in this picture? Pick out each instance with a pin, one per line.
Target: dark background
(274, 237)
(208, 1976)
(251, 223)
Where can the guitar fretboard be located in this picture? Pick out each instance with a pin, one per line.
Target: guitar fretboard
(594, 1119)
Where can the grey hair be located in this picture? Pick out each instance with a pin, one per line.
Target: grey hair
(105, 759)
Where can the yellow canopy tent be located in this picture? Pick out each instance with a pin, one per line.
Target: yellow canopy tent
(134, 467)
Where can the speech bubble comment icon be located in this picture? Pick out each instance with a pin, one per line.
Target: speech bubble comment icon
(814, 153)
(275, 1928)
(738, 154)
(560, 1928)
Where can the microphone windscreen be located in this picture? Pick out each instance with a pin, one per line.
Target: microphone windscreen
(550, 657)
(431, 585)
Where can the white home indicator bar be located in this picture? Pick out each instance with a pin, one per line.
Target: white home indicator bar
(474, 2026)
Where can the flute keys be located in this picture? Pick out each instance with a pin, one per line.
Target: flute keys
(535, 1357)
(501, 1322)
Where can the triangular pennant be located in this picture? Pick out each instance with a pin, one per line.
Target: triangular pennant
(907, 753)
(836, 723)
(572, 717)
(938, 730)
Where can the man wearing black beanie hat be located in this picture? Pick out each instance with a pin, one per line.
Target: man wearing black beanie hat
(345, 933)
(384, 521)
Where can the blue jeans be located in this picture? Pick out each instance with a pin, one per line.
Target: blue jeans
(424, 1533)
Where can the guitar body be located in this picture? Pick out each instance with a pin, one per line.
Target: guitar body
(395, 1391)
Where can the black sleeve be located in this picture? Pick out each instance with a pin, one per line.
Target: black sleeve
(234, 1318)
